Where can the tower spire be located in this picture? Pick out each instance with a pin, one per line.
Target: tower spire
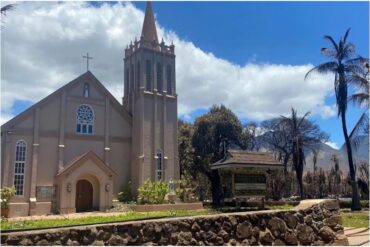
(149, 31)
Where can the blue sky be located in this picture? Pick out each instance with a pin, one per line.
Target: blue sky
(287, 33)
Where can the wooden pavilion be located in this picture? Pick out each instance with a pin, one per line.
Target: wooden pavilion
(243, 173)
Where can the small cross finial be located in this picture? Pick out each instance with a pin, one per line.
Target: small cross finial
(87, 57)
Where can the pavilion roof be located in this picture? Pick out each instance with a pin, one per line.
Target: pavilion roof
(240, 158)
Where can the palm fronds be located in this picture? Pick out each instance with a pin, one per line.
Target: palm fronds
(329, 67)
(360, 130)
(6, 8)
(332, 41)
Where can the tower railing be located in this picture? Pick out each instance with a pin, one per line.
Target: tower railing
(161, 47)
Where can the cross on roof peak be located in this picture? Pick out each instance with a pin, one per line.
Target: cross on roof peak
(87, 57)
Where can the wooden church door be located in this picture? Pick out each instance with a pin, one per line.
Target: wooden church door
(84, 196)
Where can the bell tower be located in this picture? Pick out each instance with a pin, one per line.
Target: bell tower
(150, 97)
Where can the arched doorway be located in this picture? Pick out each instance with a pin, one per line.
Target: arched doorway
(84, 196)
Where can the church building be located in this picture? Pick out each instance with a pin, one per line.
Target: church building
(77, 148)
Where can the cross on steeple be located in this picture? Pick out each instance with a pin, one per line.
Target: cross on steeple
(87, 60)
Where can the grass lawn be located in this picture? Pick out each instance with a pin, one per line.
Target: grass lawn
(28, 224)
(355, 219)
(284, 206)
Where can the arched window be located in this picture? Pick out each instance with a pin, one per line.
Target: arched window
(86, 90)
(19, 166)
(138, 76)
(159, 78)
(84, 119)
(148, 71)
(169, 79)
(159, 165)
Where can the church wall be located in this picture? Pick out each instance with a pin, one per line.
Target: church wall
(78, 89)
(28, 166)
(4, 141)
(76, 147)
(172, 166)
(120, 157)
(149, 138)
(49, 115)
(98, 110)
(159, 125)
(48, 161)
(137, 145)
(118, 124)
(26, 122)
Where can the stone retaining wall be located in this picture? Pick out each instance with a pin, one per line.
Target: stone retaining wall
(319, 224)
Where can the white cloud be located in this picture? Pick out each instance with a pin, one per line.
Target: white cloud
(333, 145)
(42, 45)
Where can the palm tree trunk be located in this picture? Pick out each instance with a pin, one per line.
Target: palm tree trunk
(355, 197)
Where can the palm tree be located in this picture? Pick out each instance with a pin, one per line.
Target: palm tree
(6, 8)
(303, 135)
(343, 65)
(361, 80)
(361, 98)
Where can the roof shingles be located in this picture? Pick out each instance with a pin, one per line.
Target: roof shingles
(248, 158)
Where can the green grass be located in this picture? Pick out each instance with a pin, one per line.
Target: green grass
(284, 206)
(31, 224)
(355, 218)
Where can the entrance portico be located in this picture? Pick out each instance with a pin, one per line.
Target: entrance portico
(80, 189)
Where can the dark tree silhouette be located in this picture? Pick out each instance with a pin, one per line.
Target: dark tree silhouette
(342, 65)
(209, 131)
(303, 135)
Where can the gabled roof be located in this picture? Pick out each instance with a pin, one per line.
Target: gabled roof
(78, 161)
(239, 158)
(149, 31)
(87, 76)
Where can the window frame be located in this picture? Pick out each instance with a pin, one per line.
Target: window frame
(159, 172)
(86, 89)
(20, 162)
(169, 79)
(86, 125)
(159, 77)
(148, 75)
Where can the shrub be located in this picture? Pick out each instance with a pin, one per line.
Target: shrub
(184, 191)
(6, 194)
(125, 195)
(152, 192)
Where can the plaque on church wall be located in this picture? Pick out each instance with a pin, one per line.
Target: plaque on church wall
(45, 193)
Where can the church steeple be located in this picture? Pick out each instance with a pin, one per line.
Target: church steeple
(149, 31)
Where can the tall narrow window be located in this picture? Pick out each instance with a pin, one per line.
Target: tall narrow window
(86, 90)
(138, 76)
(84, 119)
(159, 165)
(148, 71)
(169, 79)
(132, 79)
(19, 167)
(127, 87)
(159, 78)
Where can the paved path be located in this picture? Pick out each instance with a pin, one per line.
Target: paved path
(357, 236)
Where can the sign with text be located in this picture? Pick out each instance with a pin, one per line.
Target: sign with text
(250, 184)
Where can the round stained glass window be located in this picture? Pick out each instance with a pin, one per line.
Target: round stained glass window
(85, 114)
